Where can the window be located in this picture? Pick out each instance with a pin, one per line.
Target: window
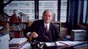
(84, 11)
(87, 14)
(52, 5)
(26, 7)
(63, 10)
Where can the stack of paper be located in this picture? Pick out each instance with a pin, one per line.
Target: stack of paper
(26, 46)
(17, 42)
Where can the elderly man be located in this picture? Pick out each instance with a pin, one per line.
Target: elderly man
(44, 30)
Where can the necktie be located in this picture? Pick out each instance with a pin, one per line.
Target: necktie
(46, 28)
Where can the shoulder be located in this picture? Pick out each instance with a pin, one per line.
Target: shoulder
(37, 22)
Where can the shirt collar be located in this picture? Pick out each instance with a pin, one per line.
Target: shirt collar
(48, 24)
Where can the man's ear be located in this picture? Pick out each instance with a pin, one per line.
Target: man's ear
(51, 18)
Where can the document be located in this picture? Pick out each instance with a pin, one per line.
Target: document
(68, 43)
(50, 43)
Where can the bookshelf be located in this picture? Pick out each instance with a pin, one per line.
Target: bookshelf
(16, 28)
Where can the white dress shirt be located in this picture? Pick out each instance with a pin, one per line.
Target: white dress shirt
(48, 25)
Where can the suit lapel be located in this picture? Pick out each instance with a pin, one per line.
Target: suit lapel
(50, 32)
(42, 27)
(50, 27)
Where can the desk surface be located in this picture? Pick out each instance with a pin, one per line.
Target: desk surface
(64, 44)
(61, 44)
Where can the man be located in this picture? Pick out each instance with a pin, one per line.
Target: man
(44, 30)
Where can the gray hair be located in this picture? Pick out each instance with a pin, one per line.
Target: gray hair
(46, 11)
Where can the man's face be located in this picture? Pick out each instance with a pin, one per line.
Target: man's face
(47, 17)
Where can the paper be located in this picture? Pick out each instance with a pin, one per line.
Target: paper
(63, 43)
(50, 43)
(26, 46)
(54, 44)
(59, 43)
(78, 30)
(1, 27)
(71, 43)
(18, 41)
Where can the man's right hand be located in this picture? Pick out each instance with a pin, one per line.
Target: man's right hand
(34, 35)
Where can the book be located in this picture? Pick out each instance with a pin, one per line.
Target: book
(17, 46)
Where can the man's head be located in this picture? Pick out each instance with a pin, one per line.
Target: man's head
(47, 16)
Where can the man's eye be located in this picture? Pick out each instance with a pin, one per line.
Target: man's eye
(45, 15)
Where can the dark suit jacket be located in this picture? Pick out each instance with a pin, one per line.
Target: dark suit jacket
(38, 27)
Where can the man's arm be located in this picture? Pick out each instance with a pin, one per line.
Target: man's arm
(29, 29)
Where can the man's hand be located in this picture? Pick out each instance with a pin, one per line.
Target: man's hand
(34, 35)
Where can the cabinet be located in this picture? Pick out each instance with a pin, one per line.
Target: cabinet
(4, 41)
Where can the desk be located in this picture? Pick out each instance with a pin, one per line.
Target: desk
(61, 44)
(66, 44)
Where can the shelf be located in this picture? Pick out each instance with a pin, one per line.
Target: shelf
(17, 22)
(15, 31)
(16, 28)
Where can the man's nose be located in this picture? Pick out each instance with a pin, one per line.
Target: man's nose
(47, 17)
